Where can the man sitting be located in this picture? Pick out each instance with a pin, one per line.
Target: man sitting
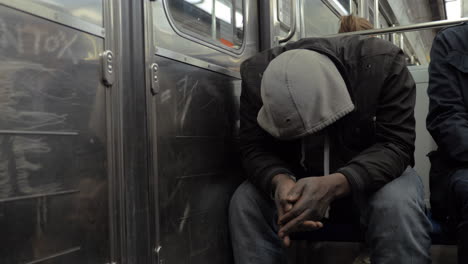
(329, 122)
(448, 124)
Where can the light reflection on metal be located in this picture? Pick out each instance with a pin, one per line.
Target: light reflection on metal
(196, 62)
(40, 195)
(46, 133)
(200, 175)
(56, 255)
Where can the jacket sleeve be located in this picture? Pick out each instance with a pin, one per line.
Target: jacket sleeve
(448, 116)
(256, 145)
(393, 150)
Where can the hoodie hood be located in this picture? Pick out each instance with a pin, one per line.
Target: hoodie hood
(302, 92)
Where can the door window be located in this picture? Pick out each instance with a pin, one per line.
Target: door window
(219, 22)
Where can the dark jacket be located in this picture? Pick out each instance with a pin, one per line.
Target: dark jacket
(447, 120)
(373, 145)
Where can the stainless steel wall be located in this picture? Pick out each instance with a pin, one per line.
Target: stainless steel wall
(194, 120)
(53, 143)
(198, 166)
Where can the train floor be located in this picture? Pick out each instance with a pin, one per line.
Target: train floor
(303, 252)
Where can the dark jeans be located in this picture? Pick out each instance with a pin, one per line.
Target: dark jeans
(459, 196)
(397, 229)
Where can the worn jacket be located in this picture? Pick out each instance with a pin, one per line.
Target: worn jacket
(447, 120)
(373, 145)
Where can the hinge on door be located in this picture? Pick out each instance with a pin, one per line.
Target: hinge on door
(154, 68)
(107, 64)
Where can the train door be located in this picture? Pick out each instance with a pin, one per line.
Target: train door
(57, 144)
(194, 50)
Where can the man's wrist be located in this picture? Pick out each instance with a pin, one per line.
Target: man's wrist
(281, 177)
(340, 184)
(277, 179)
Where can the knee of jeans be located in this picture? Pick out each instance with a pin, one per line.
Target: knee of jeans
(244, 199)
(397, 203)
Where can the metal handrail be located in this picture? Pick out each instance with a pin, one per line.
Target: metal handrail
(292, 31)
(406, 28)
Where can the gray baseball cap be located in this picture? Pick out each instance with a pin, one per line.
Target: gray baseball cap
(302, 92)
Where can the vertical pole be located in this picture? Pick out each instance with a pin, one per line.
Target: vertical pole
(233, 21)
(376, 14)
(464, 9)
(213, 20)
(364, 9)
(393, 37)
(402, 41)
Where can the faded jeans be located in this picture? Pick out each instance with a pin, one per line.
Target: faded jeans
(396, 226)
(459, 196)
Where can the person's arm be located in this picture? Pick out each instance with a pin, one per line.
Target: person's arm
(257, 147)
(447, 120)
(393, 150)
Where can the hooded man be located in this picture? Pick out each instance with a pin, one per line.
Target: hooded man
(329, 123)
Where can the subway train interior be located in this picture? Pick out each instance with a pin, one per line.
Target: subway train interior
(119, 121)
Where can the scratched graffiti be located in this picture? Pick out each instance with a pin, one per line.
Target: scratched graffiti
(187, 91)
(15, 168)
(28, 39)
(39, 92)
(16, 88)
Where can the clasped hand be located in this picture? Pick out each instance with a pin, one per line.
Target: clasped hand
(302, 205)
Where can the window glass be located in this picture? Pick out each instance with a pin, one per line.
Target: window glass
(284, 12)
(344, 4)
(88, 10)
(340, 6)
(319, 20)
(220, 22)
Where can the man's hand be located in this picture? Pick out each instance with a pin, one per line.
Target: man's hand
(283, 185)
(311, 198)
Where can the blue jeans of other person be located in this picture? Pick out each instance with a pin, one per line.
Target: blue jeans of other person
(397, 228)
(459, 196)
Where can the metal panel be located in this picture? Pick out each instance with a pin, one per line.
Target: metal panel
(88, 10)
(53, 170)
(136, 243)
(424, 141)
(198, 167)
(193, 124)
(196, 62)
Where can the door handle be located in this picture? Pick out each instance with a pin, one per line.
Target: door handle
(292, 30)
